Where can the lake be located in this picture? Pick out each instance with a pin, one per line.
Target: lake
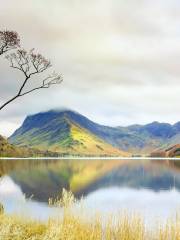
(147, 187)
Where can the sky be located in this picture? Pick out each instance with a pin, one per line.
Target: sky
(120, 59)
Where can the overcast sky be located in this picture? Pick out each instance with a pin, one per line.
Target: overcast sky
(120, 59)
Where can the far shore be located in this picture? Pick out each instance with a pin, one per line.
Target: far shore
(90, 158)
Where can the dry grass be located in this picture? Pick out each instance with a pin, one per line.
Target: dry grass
(73, 227)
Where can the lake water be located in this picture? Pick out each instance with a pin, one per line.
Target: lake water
(149, 188)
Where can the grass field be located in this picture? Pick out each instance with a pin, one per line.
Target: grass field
(75, 227)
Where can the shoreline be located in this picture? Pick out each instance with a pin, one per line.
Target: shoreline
(90, 158)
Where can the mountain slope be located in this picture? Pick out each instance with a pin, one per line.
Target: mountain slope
(153, 136)
(172, 151)
(7, 149)
(70, 132)
(62, 132)
(10, 150)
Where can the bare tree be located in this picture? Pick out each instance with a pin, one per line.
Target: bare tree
(30, 64)
(8, 40)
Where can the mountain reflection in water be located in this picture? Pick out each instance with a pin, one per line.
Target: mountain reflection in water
(107, 185)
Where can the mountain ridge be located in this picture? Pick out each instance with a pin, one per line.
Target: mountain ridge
(54, 128)
(63, 132)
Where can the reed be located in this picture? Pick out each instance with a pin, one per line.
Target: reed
(73, 226)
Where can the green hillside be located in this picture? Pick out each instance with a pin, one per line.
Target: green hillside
(60, 133)
(8, 150)
(68, 132)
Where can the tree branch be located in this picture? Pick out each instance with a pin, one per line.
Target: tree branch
(9, 101)
(8, 40)
(52, 79)
(29, 63)
(37, 88)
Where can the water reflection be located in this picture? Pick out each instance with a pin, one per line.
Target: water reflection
(109, 186)
(151, 205)
(14, 201)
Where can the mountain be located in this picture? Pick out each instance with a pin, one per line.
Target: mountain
(163, 134)
(153, 136)
(64, 132)
(9, 150)
(172, 151)
(70, 132)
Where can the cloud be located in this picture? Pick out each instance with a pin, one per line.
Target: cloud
(120, 59)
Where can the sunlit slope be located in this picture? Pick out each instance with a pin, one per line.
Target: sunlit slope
(60, 132)
(57, 130)
(8, 150)
(172, 151)
(85, 142)
(70, 132)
